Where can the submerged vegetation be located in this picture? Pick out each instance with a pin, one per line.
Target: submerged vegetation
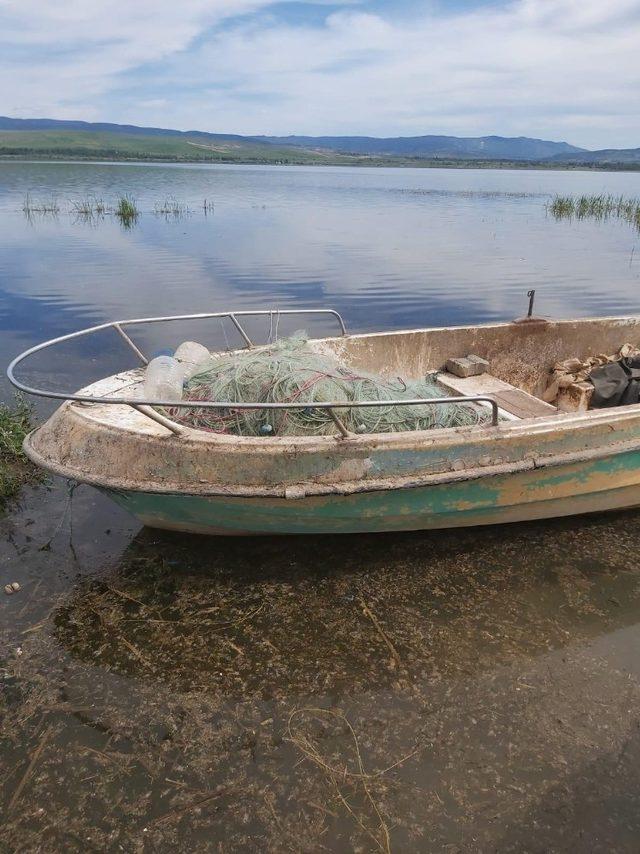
(125, 208)
(170, 206)
(91, 209)
(271, 694)
(15, 468)
(40, 206)
(599, 207)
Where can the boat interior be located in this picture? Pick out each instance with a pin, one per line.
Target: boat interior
(518, 358)
(521, 356)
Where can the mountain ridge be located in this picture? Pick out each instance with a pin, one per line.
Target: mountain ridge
(19, 137)
(433, 145)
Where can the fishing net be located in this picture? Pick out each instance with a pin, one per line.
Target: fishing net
(290, 371)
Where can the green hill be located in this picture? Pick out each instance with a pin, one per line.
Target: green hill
(106, 145)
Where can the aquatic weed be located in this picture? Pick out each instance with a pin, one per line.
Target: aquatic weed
(170, 206)
(598, 207)
(40, 206)
(127, 210)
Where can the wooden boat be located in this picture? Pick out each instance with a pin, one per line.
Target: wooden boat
(536, 462)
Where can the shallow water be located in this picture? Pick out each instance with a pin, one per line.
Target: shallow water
(453, 691)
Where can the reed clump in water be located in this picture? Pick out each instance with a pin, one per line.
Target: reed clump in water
(127, 210)
(599, 207)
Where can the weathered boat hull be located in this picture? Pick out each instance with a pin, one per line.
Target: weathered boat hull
(590, 486)
(534, 467)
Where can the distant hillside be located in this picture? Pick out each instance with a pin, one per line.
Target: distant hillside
(483, 147)
(118, 145)
(606, 155)
(60, 140)
(7, 123)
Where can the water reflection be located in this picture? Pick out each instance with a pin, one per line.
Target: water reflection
(387, 248)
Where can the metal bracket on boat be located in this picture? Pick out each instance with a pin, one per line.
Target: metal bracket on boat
(532, 295)
(344, 432)
(240, 329)
(156, 416)
(135, 349)
(529, 316)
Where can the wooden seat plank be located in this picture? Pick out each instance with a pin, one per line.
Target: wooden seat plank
(509, 398)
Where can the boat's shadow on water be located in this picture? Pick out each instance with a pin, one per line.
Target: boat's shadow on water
(277, 617)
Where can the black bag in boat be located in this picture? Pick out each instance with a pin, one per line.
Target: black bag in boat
(616, 384)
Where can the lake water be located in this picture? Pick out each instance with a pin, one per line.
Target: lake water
(388, 248)
(452, 691)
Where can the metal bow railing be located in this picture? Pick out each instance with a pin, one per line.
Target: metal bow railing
(145, 405)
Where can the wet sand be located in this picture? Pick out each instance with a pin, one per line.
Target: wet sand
(463, 691)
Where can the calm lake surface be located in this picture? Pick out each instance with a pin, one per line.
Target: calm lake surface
(456, 691)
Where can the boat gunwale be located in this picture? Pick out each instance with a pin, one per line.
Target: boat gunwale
(315, 488)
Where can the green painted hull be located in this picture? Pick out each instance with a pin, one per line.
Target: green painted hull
(612, 482)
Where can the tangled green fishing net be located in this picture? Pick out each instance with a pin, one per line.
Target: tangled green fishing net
(290, 371)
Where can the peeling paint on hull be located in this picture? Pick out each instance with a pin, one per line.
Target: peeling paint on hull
(587, 487)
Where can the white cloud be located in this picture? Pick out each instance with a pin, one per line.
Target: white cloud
(61, 56)
(552, 68)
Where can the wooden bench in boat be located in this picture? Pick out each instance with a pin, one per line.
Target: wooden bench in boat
(510, 399)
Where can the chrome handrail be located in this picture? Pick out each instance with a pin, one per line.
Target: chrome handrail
(118, 324)
(142, 404)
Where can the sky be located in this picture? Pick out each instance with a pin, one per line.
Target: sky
(556, 69)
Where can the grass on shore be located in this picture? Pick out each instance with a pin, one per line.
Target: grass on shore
(15, 469)
(599, 207)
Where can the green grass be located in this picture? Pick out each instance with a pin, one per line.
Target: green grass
(15, 468)
(126, 210)
(598, 207)
(103, 145)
